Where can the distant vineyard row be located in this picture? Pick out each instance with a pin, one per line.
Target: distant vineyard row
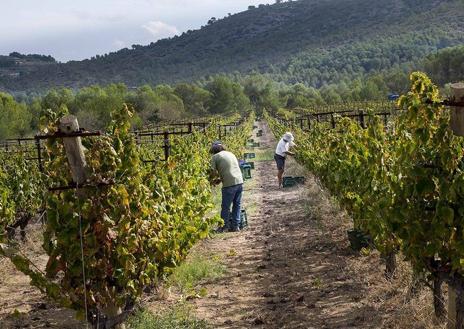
(402, 183)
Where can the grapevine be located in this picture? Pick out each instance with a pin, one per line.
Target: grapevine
(136, 221)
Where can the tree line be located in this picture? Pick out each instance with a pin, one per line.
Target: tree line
(221, 94)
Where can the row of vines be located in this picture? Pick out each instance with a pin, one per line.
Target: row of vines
(126, 227)
(20, 193)
(403, 184)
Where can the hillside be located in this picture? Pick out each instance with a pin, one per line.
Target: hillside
(310, 41)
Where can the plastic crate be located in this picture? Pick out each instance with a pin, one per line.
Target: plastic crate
(243, 219)
(289, 181)
(249, 155)
(252, 164)
(358, 239)
(246, 171)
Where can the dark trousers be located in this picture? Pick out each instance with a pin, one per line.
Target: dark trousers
(231, 195)
(280, 161)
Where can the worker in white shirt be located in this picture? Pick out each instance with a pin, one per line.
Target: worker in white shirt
(282, 150)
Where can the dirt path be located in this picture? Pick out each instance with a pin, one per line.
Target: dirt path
(24, 306)
(293, 268)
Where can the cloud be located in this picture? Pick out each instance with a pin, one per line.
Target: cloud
(160, 29)
(119, 43)
(80, 29)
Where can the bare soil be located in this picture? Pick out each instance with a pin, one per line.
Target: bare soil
(291, 268)
(24, 306)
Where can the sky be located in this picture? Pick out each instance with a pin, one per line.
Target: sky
(79, 29)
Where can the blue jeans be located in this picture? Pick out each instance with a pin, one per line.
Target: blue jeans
(231, 196)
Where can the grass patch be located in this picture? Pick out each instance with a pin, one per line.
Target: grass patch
(189, 274)
(217, 198)
(264, 155)
(180, 316)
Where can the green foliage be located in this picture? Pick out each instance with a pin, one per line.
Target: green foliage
(94, 104)
(14, 118)
(427, 181)
(227, 96)
(403, 186)
(7, 206)
(136, 221)
(195, 98)
(352, 163)
(447, 65)
(25, 188)
(285, 114)
(300, 96)
(180, 316)
(261, 92)
(190, 273)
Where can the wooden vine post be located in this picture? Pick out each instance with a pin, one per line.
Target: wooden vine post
(455, 293)
(74, 149)
(76, 159)
(457, 113)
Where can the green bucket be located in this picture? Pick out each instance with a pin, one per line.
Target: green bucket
(246, 171)
(289, 181)
(358, 239)
(243, 219)
(252, 164)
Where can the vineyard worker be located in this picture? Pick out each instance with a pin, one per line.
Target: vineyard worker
(226, 165)
(282, 150)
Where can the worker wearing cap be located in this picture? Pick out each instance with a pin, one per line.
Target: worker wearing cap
(226, 165)
(282, 150)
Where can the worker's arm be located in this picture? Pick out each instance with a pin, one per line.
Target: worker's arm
(214, 178)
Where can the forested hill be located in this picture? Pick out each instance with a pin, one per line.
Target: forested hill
(310, 41)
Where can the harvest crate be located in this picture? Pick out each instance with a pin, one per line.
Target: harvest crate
(246, 171)
(290, 181)
(252, 164)
(249, 155)
(358, 239)
(243, 219)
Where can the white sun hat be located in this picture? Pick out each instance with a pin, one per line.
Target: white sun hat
(288, 137)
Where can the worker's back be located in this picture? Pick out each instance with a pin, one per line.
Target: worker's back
(226, 164)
